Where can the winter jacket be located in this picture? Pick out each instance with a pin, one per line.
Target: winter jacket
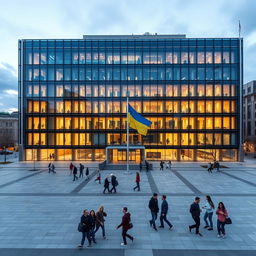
(137, 178)
(125, 221)
(153, 205)
(86, 221)
(195, 210)
(164, 207)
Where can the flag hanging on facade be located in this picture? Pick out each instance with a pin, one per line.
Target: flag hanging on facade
(137, 121)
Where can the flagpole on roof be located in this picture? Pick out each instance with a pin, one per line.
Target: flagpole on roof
(127, 135)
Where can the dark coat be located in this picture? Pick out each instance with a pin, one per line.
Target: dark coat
(86, 221)
(153, 205)
(75, 170)
(125, 221)
(113, 180)
(195, 210)
(87, 171)
(106, 183)
(164, 207)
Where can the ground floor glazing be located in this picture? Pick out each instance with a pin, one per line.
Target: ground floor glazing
(135, 155)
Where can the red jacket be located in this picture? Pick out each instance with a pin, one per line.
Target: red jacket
(137, 178)
(125, 221)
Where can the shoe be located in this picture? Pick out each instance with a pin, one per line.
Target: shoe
(161, 226)
(79, 246)
(210, 229)
(224, 236)
(189, 229)
(123, 244)
(206, 226)
(170, 228)
(219, 236)
(199, 234)
(155, 229)
(89, 245)
(150, 222)
(133, 238)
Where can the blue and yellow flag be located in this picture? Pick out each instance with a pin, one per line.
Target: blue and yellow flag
(137, 121)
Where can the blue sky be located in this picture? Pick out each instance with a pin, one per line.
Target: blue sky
(73, 18)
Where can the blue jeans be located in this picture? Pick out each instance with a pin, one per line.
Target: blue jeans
(221, 227)
(208, 215)
(154, 217)
(103, 229)
(88, 236)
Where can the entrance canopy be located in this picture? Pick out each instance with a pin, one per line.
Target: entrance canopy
(117, 154)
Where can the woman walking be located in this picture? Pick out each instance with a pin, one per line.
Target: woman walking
(137, 180)
(222, 214)
(93, 221)
(209, 207)
(100, 214)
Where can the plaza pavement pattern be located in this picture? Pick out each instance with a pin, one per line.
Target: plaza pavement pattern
(39, 212)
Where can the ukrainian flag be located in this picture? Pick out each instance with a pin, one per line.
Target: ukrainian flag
(137, 121)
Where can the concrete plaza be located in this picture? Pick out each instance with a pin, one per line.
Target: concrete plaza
(39, 212)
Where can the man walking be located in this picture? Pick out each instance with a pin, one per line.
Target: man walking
(126, 225)
(75, 173)
(81, 171)
(153, 206)
(86, 223)
(114, 183)
(140, 166)
(161, 166)
(106, 185)
(195, 213)
(164, 210)
(49, 167)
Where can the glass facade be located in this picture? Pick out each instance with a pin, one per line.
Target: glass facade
(72, 97)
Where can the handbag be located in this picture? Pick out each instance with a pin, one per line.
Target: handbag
(80, 227)
(228, 221)
(130, 225)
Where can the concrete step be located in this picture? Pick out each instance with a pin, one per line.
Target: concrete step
(121, 167)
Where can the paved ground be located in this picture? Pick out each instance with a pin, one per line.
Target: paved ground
(39, 212)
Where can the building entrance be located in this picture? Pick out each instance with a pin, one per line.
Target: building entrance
(117, 154)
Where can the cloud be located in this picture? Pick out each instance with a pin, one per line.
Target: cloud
(8, 87)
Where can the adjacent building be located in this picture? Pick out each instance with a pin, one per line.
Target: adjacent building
(8, 129)
(72, 97)
(249, 110)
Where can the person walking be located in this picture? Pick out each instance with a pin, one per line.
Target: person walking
(154, 209)
(161, 166)
(106, 185)
(164, 211)
(93, 226)
(140, 166)
(100, 214)
(114, 183)
(71, 166)
(147, 166)
(222, 214)
(218, 166)
(209, 207)
(81, 170)
(169, 165)
(49, 167)
(195, 213)
(98, 178)
(87, 173)
(210, 168)
(137, 180)
(53, 168)
(126, 225)
(86, 223)
(75, 173)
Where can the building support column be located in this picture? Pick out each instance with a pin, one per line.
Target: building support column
(241, 153)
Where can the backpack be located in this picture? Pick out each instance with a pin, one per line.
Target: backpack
(116, 183)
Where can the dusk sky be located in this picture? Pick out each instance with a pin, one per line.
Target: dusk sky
(65, 19)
